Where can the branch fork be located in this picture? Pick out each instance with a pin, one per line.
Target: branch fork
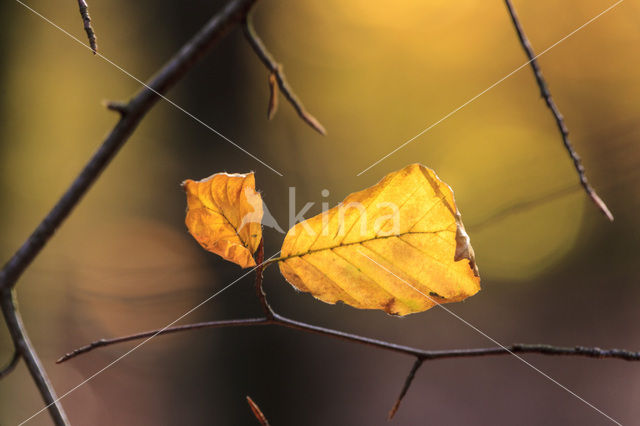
(271, 317)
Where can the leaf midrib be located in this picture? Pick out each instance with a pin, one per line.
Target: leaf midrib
(221, 213)
(284, 258)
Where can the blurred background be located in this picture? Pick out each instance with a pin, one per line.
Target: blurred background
(554, 270)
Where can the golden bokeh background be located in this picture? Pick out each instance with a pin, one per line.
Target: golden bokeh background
(375, 74)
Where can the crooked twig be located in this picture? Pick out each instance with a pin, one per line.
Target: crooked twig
(407, 383)
(546, 94)
(277, 74)
(86, 20)
(259, 276)
(425, 355)
(421, 355)
(26, 351)
(170, 330)
(131, 115)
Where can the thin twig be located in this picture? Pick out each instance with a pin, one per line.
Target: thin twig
(86, 20)
(420, 354)
(558, 194)
(257, 412)
(27, 352)
(259, 276)
(407, 383)
(426, 355)
(524, 206)
(276, 69)
(145, 334)
(216, 28)
(7, 369)
(546, 94)
(272, 108)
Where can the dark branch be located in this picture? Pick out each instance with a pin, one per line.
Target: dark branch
(273, 318)
(407, 383)
(275, 69)
(27, 352)
(425, 355)
(131, 115)
(146, 334)
(257, 412)
(86, 20)
(134, 112)
(546, 94)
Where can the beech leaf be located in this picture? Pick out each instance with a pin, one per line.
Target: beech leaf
(224, 212)
(399, 246)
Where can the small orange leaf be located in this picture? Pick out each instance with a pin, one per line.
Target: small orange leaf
(224, 212)
(399, 246)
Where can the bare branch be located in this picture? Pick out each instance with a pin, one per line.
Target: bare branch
(425, 355)
(27, 352)
(275, 69)
(136, 109)
(546, 94)
(86, 20)
(170, 330)
(421, 355)
(407, 383)
(131, 115)
(257, 412)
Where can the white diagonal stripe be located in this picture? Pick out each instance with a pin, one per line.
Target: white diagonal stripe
(103, 369)
(152, 90)
(493, 85)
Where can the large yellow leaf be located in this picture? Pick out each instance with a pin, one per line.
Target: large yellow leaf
(224, 213)
(399, 246)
